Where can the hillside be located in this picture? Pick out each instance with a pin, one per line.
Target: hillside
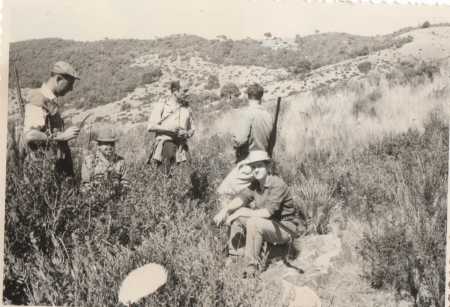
(107, 75)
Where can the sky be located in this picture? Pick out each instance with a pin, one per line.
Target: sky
(145, 19)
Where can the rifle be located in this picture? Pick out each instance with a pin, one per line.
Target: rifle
(273, 134)
(21, 104)
(19, 147)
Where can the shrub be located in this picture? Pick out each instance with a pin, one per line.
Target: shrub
(212, 83)
(362, 52)
(366, 105)
(425, 25)
(364, 67)
(302, 67)
(408, 253)
(125, 106)
(229, 90)
(151, 76)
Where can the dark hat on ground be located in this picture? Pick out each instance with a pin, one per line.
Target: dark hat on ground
(64, 68)
(106, 134)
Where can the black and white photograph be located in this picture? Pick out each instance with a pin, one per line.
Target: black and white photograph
(224, 153)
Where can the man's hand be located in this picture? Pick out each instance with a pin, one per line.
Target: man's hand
(233, 216)
(182, 133)
(220, 217)
(69, 134)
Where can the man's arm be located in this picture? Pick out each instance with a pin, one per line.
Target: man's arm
(34, 135)
(242, 131)
(232, 206)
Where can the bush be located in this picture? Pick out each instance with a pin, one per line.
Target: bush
(151, 76)
(364, 67)
(362, 52)
(229, 90)
(212, 83)
(425, 25)
(366, 105)
(302, 67)
(125, 106)
(408, 253)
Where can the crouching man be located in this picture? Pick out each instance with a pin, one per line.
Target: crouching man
(105, 168)
(265, 210)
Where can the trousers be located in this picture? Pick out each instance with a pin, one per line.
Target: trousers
(257, 230)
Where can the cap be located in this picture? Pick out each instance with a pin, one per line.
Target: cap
(64, 68)
(106, 134)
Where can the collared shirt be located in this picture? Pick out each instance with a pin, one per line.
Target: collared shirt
(254, 128)
(41, 106)
(97, 167)
(273, 196)
(42, 114)
(171, 115)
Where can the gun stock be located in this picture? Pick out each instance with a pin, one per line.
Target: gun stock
(21, 104)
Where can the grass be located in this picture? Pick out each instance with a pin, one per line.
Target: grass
(385, 173)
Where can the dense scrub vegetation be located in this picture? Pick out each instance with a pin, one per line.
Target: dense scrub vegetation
(62, 248)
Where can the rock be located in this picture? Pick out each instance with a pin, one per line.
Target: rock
(293, 296)
(306, 272)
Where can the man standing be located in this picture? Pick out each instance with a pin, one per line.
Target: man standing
(44, 137)
(253, 133)
(172, 123)
(105, 168)
(264, 210)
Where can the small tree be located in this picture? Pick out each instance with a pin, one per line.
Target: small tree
(268, 35)
(229, 90)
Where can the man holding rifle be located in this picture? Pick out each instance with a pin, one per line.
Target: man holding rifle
(171, 120)
(44, 136)
(256, 130)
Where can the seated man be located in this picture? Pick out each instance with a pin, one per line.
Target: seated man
(265, 209)
(105, 168)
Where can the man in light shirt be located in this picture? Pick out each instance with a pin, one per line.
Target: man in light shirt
(171, 120)
(263, 211)
(44, 136)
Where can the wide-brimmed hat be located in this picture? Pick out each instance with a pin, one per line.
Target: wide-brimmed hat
(256, 156)
(64, 68)
(106, 134)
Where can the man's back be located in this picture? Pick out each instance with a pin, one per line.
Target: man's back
(254, 130)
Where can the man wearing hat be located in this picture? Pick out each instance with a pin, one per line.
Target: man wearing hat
(104, 168)
(44, 134)
(171, 120)
(265, 211)
(252, 132)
